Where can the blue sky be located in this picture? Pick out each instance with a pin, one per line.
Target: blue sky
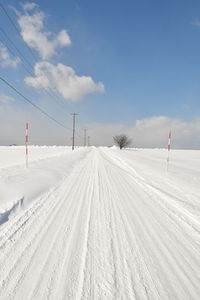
(143, 58)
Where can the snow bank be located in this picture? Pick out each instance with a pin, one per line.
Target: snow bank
(47, 167)
(9, 209)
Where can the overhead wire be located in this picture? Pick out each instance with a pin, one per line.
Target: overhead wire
(13, 44)
(16, 29)
(24, 59)
(13, 54)
(25, 68)
(20, 53)
(33, 104)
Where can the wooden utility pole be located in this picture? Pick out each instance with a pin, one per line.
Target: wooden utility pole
(26, 144)
(85, 135)
(73, 129)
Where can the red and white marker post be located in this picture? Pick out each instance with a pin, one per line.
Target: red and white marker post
(26, 144)
(169, 146)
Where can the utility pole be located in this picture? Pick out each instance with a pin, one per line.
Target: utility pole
(73, 129)
(26, 144)
(88, 140)
(85, 134)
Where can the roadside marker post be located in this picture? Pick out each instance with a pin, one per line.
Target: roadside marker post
(26, 144)
(169, 146)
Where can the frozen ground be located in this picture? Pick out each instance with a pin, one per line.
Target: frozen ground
(100, 224)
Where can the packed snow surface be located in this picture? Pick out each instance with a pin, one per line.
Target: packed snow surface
(99, 223)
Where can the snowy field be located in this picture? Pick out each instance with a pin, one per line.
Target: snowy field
(99, 223)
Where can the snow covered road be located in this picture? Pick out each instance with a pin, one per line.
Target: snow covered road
(107, 230)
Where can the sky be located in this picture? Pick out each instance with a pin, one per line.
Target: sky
(129, 67)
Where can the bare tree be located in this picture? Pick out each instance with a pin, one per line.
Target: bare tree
(122, 140)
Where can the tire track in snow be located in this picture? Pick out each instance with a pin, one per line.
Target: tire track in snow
(52, 278)
(69, 283)
(144, 210)
(100, 272)
(173, 205)
(32, 241)
(133, 276)
(64, 230)
(103, 233)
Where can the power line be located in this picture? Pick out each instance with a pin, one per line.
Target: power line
(20, 53)
(10, 19)
(16, 29)
(33, 104)
(25, 68)
(13, 54)
(24, 58)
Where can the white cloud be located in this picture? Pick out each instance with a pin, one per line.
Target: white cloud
(34, 35)
(6, 60)
(146, 133)
(63, 80)
(29, 6)
(150, 132)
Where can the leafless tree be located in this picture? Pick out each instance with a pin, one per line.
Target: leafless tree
(122, 140)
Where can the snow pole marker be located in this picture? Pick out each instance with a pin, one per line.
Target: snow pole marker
(169, 147)
(26, 144)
